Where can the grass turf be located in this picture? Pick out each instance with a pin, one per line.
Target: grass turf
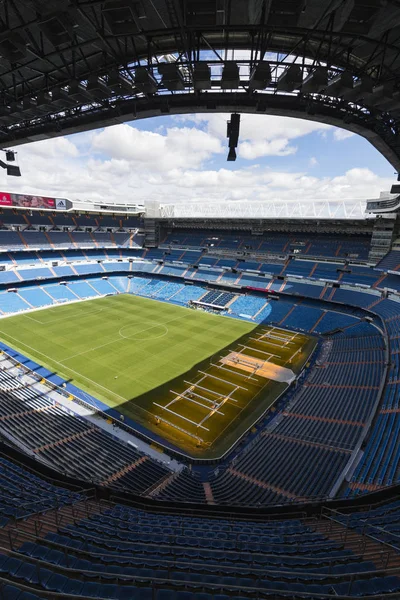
(142, 342)
(130, 352)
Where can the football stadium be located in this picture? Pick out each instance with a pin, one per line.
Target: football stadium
(199, 400)
(208, 373)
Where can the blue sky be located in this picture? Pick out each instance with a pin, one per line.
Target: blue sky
(183, 158)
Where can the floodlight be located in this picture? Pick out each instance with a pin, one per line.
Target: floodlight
(171, 77)
(118, 83)
(201, 76)
(145, 81)
(384, 97)
(340, 85)
(97, 88)
(315, 81)
(58, 27)
(362, 89)
(230, 76)
(123, 16)
(291, 79)
(260, 76)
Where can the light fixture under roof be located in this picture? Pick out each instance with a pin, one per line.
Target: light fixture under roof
(124, 17)
(290, 79)
(315, 81)
(340, 85)
(260, 76)
(171, 77)
(230, 76)
(145, 81)
(58, 27)
(201, 76)
(97, 88)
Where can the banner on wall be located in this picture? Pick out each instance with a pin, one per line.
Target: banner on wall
(61, 204)
(27, 201)
(5, 199)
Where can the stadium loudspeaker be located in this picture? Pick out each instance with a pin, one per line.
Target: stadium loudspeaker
(395, 189)
(232, 155)
(232, 132)
(10, 156)
(13, 170)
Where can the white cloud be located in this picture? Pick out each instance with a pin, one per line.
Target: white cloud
(178, 147)
(342, 134)
(60, 146)
(278, 147)
(257, 127)
(260, 135)
(185, 163)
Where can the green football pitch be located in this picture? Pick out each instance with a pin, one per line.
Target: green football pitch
(136, 354)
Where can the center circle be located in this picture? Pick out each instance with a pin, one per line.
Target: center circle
(130, 332)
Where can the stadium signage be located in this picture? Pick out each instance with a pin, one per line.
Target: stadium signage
(27, 201)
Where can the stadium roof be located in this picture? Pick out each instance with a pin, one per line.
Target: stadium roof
(69, 67)
(270, 209)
